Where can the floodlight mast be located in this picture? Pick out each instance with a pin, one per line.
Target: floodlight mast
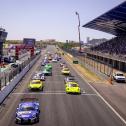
(79, 30)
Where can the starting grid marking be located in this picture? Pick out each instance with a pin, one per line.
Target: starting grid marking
(53, 93)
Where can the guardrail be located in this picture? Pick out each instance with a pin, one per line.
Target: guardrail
(10, 86)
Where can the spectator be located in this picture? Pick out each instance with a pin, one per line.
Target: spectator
(116, 46)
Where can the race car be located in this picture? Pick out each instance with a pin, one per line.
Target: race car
(43, 63)
(54, 60)
(62, 64)
(65, 71)
(28, 111)
(69, 79)
(59, 57)
(56, 57)
(36, 85)
(14, 65)
(50, 57)
(39, 77)
(119, 77)
(47, 72)
(36, 77)
(48, 67)
(72, 87)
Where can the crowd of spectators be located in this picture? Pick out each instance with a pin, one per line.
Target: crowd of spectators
(115, 46)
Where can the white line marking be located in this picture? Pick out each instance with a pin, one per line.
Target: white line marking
(51, 93)
(89, 94)
(117, 114)
(42, 93)
(54, 91)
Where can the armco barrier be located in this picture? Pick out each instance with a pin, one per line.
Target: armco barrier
(7, 90)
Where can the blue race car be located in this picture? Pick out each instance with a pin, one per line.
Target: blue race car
(28, 111)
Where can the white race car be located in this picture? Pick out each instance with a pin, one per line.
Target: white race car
(119, 77)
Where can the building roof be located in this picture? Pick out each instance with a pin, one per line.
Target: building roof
(113, 21)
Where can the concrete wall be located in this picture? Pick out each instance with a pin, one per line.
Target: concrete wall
(115, 63)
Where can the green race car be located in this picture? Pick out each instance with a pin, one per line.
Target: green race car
(48, 67)
(47, 72)
(72, 87)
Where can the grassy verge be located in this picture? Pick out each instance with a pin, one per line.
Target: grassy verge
(89, 75)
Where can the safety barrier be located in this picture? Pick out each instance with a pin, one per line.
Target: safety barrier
(8, 89)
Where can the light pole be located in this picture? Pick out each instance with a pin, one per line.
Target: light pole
(79, 30)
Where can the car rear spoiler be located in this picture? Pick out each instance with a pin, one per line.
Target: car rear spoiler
(29, 99)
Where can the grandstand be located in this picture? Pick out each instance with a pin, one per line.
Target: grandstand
(115, 46)
(113, 22)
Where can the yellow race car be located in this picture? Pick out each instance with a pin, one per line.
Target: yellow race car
(65, 71)
(72, 87)
(36, 84)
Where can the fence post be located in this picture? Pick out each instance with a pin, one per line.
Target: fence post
(0, 84)
(5, 78)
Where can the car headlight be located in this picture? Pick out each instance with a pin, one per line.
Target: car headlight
(19, 114)
(30, 85)
(67, 88)
(78, 89)
(33, 115)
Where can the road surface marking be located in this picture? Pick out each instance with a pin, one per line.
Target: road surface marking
(42, 93)
(89, 94)
(52, 93)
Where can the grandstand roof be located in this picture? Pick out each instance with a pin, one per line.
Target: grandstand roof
(113, 21)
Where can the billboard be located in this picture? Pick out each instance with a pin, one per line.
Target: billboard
(29, 41)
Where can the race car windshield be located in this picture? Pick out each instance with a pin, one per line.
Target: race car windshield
(28, 108)
(70, 78)
(72, 85)
(37, 77)
(119, 74)
(66, 69)
(35, 82)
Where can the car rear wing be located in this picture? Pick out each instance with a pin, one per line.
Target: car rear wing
(35, 100)
(29, 99)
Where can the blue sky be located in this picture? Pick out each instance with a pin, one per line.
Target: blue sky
(52, 19)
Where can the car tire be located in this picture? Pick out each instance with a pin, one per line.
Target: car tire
(116, 80)
(16, 121)
(37, 119)
(42, 88)
(67, 92)
(29, 89)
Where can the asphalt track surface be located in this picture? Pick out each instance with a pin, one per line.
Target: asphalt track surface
(57, 107)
